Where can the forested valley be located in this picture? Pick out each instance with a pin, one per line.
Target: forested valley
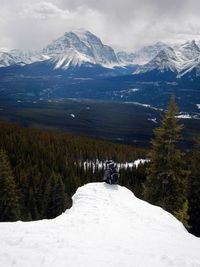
(40, 171)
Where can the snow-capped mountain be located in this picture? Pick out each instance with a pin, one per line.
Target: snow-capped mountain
(142, 56)
(21, 57)
(24, 57)
(79, 47)
(187, 51)
(179, 59)
(71, 49)
(82, 49)
(106, 226)
(166, 60)
(6, 59)
(126, 58)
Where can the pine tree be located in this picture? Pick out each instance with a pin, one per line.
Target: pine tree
(166, 183)
(9, 195)
(57, 197)
(194, 199)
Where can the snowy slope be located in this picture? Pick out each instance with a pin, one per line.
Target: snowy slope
(24, 57)
(72, 49)
(166, 60)
(106, 226)
(79, 47)
(142, 56)
(21, 57)
(179, 59)
(6, 59)
(187, 51)
(83, 48)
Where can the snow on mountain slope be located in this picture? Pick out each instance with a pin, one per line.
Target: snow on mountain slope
(187, 51)
(192, 65)
(166, 60)
(103, 54)
(23, 57)
(143, 55)
(79, 47)
(71, 49)
(70, 58)
(20, 57)
(179, 59)
(6, 59)
(126, 58)
(106, 226)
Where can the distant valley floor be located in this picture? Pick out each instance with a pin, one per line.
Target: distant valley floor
(130, 123)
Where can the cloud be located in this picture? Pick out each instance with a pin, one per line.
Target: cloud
(123, 24)
(43, 10)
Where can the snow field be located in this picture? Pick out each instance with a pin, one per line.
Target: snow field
(106, 226)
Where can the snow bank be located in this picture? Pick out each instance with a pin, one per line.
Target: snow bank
(106, 226)
(102, 164)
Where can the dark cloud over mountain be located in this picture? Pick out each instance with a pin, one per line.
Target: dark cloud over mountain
(123, 24)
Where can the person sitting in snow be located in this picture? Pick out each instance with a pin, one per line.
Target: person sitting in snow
(111, 174)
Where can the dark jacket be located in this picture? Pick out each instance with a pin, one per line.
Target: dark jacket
(111, 175)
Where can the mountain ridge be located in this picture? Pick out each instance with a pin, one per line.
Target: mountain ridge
(73, 48)
(81, 47)
(179, 59)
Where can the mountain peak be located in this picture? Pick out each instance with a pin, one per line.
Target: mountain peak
(85, 45)
(190, 45)
(165, 60)
(160, 43)
(82, 31)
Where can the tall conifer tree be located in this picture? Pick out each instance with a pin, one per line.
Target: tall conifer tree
(9, 195)
(166, 183)
(194, 199)
(57, 197)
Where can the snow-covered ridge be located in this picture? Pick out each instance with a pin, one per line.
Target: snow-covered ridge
(78, 47)
(72, 49)
(81, 47)
(20, 57)
(180, 59)
(141, 56)
(106, 226)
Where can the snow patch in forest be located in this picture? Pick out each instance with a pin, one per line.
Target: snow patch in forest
(183, 115)
(100, 165)
(154, 120)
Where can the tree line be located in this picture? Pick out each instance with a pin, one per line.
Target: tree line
(41, 170)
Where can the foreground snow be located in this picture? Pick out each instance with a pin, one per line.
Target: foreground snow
(107, 226)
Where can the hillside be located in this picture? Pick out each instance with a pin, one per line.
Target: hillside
(106, 226)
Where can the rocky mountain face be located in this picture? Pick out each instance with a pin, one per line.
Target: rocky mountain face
(71, 49)
(166, 59)
(78, 47)
(20, 57)
(180, 59)
(142, 56)
(82, 48)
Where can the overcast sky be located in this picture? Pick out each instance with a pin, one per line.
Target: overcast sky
(123, 24)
